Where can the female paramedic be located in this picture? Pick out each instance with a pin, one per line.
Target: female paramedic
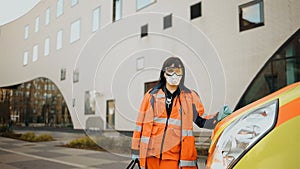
(163, 137)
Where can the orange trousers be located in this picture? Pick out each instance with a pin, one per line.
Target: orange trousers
(156, 163)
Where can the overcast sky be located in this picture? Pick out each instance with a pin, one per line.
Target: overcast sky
(12, 9)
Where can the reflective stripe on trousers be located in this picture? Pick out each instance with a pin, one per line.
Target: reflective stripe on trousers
(138, 128)
(145, 139)
(187, 163)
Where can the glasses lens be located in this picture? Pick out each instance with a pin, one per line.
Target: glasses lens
(172, 70)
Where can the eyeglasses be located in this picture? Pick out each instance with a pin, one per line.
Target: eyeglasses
(170, 71)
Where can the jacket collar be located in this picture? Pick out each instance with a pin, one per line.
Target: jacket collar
(159, 86)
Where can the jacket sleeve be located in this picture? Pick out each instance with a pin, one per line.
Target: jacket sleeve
(201, 120)
(139, 124)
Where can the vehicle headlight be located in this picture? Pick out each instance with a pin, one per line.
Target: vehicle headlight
(244, 132)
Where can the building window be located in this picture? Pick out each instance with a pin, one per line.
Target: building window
(37, 24)
(75, 31)
(282, 69)
(110, 114)
(47, 18)
(74, 2)
(35, 52)
(140, 63)
(251, 15)
(36, 104)
(89, 102)
(26, 32)
(144, 30)
(149, 85)
(143, 3)
(59, 8)
(75, 76)
(59, 40)
(63, 74)
(117, 10)
(196, 10)
(73, 102)
(25, 58)
(96, 19)
(168, 21)
(47, 47)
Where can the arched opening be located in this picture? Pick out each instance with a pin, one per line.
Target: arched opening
(34, 103)
(282, 69)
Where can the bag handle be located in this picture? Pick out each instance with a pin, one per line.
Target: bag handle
(132, 164)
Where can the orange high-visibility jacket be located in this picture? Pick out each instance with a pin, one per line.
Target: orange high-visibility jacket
(167, 138)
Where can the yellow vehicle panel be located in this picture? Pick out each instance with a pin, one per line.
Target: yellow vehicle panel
(280, 146)
(280, 149)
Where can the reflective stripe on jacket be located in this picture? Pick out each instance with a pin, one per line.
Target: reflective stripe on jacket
(167, 138)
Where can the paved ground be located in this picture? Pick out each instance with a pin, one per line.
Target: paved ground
(16, 154)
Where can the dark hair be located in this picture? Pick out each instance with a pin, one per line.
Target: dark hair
(177, 63)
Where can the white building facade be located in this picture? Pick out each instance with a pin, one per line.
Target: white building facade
(103, 55)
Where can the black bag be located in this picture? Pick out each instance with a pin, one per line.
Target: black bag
(132, 164)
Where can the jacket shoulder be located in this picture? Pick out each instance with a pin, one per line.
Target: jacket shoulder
(155, 89)
(194, 93)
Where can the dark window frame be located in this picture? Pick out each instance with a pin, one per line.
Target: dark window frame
(247, 25)
(114, 10)
(144, 30)
(63, 74)
(194, 13)
(168, 21)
